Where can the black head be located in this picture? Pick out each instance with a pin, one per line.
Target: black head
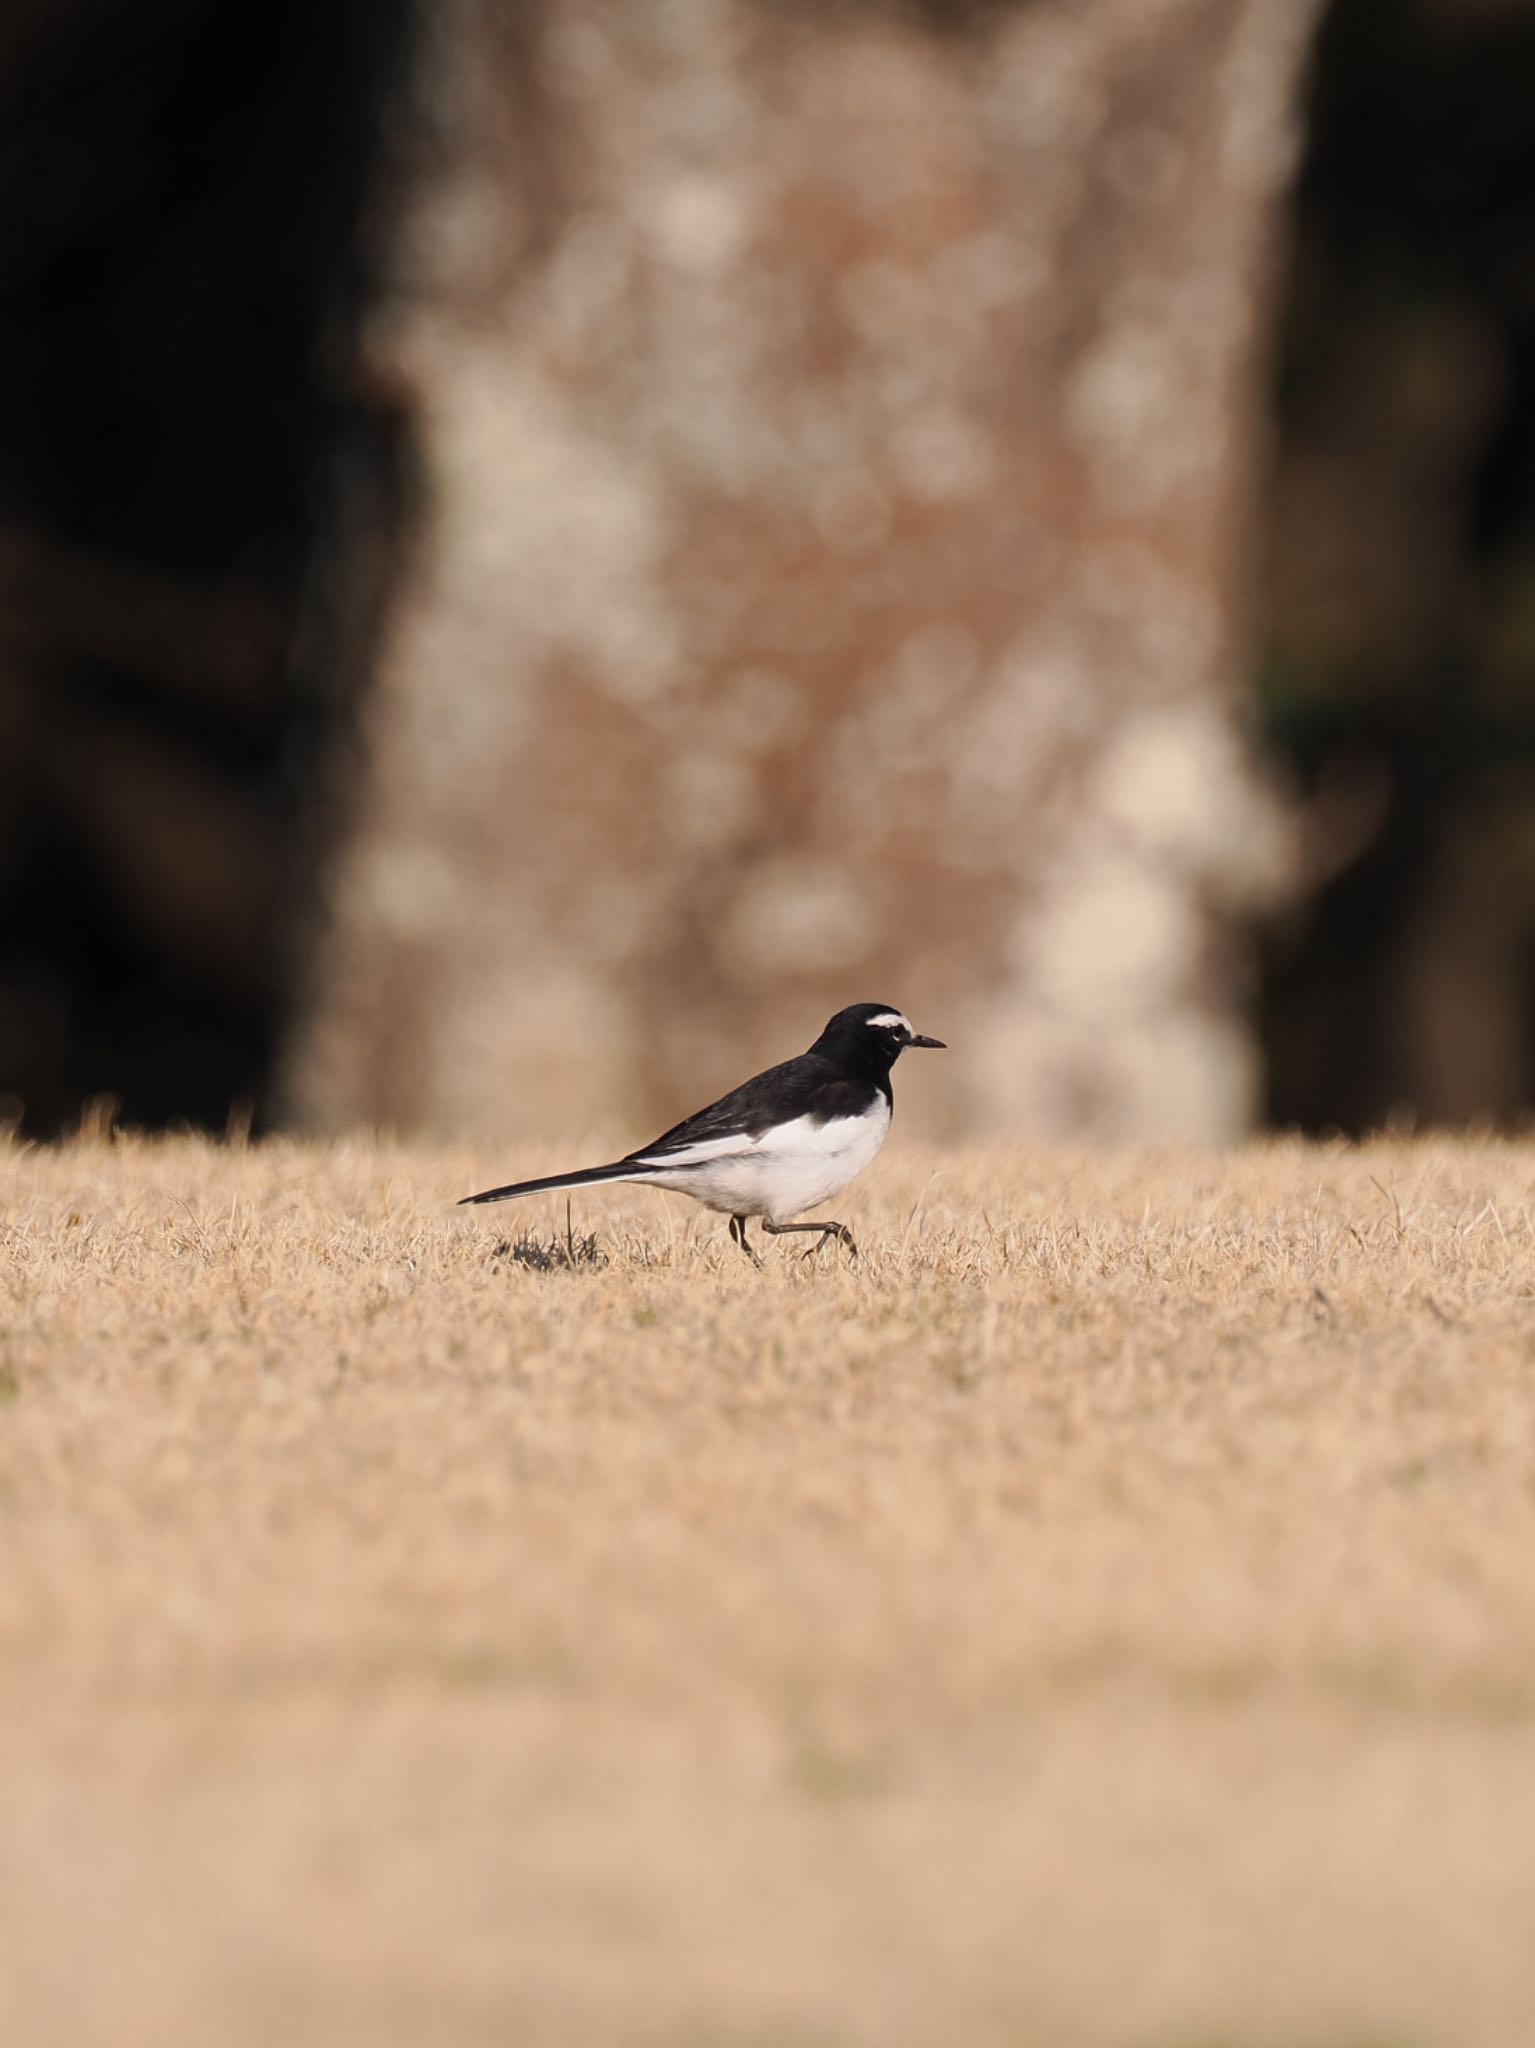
(870, 1036)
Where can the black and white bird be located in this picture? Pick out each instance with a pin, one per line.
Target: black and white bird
(783, 1142)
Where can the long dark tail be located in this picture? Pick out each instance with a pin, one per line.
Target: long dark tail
(588, 1177)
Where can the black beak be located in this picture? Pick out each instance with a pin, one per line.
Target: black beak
(932, 1044)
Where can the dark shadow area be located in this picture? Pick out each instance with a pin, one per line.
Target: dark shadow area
(1399, 679)
(202, 507)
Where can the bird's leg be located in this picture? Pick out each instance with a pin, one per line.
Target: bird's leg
(839, 1231)
(738, 1236)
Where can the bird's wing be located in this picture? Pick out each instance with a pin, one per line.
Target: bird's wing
(806, 1086)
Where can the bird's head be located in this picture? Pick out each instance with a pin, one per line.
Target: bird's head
(872, 1032)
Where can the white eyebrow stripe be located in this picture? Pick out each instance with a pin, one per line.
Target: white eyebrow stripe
(888, 1017)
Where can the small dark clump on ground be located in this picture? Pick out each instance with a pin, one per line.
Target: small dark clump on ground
(568, 1254)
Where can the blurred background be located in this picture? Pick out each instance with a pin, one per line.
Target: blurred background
(546, 546)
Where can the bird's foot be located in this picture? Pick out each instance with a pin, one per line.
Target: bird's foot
(837, 1231)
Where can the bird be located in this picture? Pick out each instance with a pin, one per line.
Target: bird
(783, 1142)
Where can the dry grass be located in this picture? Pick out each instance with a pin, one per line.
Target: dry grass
(1106, 1616)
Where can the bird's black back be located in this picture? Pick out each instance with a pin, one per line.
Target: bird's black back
(809, 1085)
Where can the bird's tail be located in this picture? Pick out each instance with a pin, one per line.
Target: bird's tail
(588, 1177)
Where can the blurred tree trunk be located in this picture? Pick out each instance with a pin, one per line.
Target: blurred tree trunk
(1398, 675)
(201, 505)
(839, 578)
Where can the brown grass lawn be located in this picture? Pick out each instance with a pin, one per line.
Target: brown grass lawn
(1106, 1616)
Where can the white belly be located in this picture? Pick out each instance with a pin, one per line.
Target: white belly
(784, 1172)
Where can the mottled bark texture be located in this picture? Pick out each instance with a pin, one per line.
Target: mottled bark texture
(844, 425)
